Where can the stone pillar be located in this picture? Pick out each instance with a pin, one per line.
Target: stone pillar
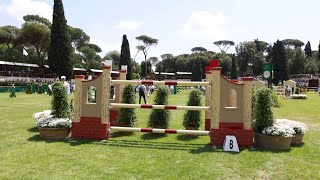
(247, 102)
(215, 98)
(105, 95)
(208, 97)
(123, 74)
(78, 98)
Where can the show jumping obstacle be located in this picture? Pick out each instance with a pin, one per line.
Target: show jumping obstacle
(227, 107)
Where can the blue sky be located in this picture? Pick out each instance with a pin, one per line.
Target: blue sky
(178, 24)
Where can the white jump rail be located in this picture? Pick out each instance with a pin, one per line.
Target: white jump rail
(149, 106)
(161, 131)
(150, 82)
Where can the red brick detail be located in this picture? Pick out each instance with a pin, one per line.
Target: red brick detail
(146, 129)
(114, 117)
(170, 83)
(208, 72)
(231, 125)
(207, 125)
(247, 79)
(79, 76)
(89, 130)
(214, 63)
(90, 119)
(170, 131)
(244, 137)
(207, 68)
(216, 68)
(106, 67)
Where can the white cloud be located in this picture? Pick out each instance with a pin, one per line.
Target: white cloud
(20, 8)
(203, 24)
(105, 47)
(127, 25)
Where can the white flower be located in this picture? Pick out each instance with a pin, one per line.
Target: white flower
(46, 120)
(285, 128)
(298, 127)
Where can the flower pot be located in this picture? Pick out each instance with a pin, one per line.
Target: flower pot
(54, 133)
(297, 139)
(272, 142)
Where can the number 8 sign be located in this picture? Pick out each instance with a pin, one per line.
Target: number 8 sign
(230, 143)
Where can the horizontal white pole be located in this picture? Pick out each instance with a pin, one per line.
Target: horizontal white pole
(187, 83)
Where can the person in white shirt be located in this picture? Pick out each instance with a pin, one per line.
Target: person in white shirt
(66, 84)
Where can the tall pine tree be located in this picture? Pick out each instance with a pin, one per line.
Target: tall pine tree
(196, 71)
(319, 52)
(60, 51)
(279, 63)
(125, 57)
(234, 74)
(307, 49)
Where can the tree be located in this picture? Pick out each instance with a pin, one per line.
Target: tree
(38, 36)
(143, 66)
(60, 51)
(292, 43)
(11, 37)
(78, 37)
(249, 59)
(125, 57)
(90, 57)
(115, 56)
(319, 52)
(37, 19)
(307, 49)
(198, 49)
(279, 63)
(225, 64)
(312, 66)
(147, 42)
(261, 45)
(223, 45)
(168, 63)
(298, 63)
(196, 70)
(234, 74)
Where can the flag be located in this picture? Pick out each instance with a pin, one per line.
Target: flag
(83, 62)
(24, 52)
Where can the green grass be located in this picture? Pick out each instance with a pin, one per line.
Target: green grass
(23, 155)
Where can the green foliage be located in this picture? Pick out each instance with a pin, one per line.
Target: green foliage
(298, 63)
(292, 43)
(307, 49)
(297, 91)
(192, 119)
(275, 99)
(223, 45)
(279, 63)
(262, 114)
(28, 90)
(40, 89)
(196, 71)
(312, 66)
(37, 19)
(59, 103)
(125, 57)
(234, 73)
(198, 49)
(143, 68)
(11, 37)
(159, 118)
(60, 51)
(225, 64)
(127, 116)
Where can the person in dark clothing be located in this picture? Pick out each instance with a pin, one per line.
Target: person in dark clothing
(142, 93)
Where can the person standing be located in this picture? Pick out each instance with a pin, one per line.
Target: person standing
(66, 84)
(142, 93)
(13, 91)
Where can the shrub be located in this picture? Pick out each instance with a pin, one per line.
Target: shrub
(274, 99)
(297, 91)
(59, 103)
(29, 89)
(159, 118)
(262, 114)
(127, 116)
(40, 88)
(192, 119)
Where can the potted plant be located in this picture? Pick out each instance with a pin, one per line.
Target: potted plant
(55, 124)
(268, 133)
(159, 118)
(192, 119)
(299, 130)
(127, 116)
(29, 89)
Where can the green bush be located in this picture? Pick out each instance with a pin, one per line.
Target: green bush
(59, 102)
(40, 89)
(127, 116)
(274, 99)
(192, 119)
(159, 118)
(262, 114)
(297, 91)
(29, 89)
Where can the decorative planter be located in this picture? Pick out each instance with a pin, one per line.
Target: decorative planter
(54, 133)
(297, 139)
(272, 142)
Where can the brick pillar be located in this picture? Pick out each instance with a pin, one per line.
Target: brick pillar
(78, 98)
(105, 95)
(207, 97)
(215, 98)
